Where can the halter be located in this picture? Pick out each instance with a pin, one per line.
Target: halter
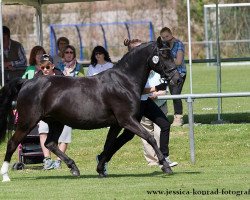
(168, 73)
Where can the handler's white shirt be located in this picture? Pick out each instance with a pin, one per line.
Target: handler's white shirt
(93, 70)
(153, 80)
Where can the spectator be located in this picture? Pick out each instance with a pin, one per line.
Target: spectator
(100, 61)
(47, 68)
(34, 61)
(69, 65)
(178, 52)
(61, 43)
(14, 54)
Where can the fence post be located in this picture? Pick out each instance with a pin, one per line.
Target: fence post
(191, 128)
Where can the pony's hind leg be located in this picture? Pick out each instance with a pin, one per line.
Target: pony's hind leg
(51, 143)
(111, 137)
(18, 136)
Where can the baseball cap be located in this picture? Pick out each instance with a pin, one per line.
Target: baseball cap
(46, 57)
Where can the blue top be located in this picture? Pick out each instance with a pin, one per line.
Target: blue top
(73, 73)
(179, 46)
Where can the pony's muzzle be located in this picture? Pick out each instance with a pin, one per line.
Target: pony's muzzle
(180, 81)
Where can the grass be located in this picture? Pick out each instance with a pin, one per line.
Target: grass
(222, 160)
(233, 79)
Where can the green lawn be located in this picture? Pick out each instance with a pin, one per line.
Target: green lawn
(233, 79)
(222, 162)
(221, 171)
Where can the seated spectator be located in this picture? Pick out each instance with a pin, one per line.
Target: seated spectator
(61, 43)
(100, 61)
(69, 65)
(14, 54)
(34, 61)
(48, 68)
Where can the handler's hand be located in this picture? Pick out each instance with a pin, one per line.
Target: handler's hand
(161, 86)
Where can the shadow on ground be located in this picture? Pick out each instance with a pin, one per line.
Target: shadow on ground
(228, 118)
(95, 176)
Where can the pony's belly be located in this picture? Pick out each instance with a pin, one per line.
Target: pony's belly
(90, 125)
(93, 123)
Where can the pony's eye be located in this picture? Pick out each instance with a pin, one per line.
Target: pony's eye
(164, 52)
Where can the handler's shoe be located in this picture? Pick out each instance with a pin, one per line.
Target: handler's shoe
(57, 164)
(48, 164)
(171, 164)
(105, 170)
(178, 120)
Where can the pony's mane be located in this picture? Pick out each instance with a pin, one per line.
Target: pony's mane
(133, 51)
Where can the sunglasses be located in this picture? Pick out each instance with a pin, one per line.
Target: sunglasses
(45, 67)
(68, 52)
(98, 53)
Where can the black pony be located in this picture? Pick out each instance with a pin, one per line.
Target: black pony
(111, 98)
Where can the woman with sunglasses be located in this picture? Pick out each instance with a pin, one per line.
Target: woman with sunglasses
(69, 65)
(100, 61)
(178, 53)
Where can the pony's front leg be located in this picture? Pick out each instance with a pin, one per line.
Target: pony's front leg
(53, 147)
(165, 166)
(136, 127)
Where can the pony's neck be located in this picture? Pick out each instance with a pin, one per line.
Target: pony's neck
(136, 67)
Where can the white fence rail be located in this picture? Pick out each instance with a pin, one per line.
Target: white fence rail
(189, 98)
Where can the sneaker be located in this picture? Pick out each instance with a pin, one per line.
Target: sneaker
(105, 170)
(48, 164)
(57, 164)
(171, 164)
(178, 120)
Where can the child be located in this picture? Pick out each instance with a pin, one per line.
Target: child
(48, 68)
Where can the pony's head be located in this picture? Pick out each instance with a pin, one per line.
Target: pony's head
(162, 62)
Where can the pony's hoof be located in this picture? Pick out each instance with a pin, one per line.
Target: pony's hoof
(102, 175)
(167, 170)
(75, 173)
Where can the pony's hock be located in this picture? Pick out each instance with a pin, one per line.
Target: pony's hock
(115, 93)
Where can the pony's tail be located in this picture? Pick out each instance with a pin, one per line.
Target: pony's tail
(7, 94)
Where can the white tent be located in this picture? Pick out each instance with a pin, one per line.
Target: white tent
(37, 4)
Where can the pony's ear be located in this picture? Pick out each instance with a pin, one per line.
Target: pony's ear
(126, 42)
(162, 44)
(159, 42)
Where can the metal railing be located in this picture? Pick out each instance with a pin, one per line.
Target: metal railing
(189, 98)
